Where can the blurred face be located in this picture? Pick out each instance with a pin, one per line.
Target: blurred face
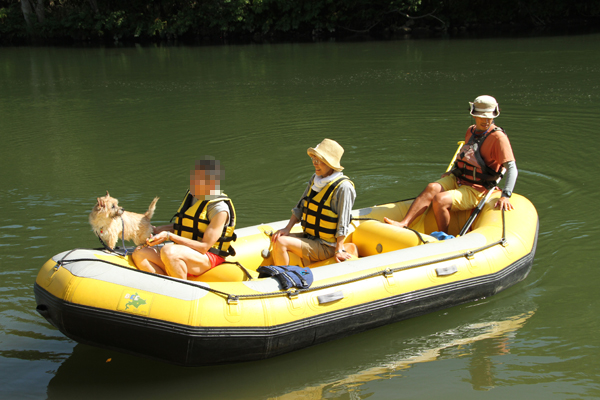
(202, 183)
(321, 169)
(483, 124)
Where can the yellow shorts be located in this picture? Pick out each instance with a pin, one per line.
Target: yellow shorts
(464, 197)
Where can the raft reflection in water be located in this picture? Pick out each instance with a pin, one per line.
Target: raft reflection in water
(324, 371)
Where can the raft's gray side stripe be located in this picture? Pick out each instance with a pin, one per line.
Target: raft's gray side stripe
(128, 277)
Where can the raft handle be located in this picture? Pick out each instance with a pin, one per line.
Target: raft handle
(330, 297)
(445, 271)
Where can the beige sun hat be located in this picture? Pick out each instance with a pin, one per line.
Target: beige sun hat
(484, 107)
(330, 152)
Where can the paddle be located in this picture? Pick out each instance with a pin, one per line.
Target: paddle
(479, 207)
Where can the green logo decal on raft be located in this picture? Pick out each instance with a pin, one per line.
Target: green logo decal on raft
(135, 301)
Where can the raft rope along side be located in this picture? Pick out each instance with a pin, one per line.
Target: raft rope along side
(292, 293)
(233, 298)
(63, 261)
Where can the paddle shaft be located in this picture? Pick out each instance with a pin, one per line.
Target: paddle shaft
(460, 145)
(479, 207)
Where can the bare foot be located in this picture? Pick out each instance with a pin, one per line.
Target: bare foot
(392, 222)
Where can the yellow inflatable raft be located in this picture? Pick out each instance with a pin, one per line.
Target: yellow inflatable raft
(230, 315)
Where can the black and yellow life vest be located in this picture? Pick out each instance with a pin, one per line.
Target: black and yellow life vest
(318, 219)
(470, 165)
(191, 222)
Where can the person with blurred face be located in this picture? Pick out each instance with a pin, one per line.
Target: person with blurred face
(324, 211)
(200, 237)
(478, 165)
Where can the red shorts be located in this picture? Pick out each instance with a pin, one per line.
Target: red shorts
(214, 261)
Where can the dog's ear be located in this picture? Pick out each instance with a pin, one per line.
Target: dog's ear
(107, 195)
(100, 203)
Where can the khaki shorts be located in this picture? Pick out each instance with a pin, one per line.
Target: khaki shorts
(313, 250)
(464, 197)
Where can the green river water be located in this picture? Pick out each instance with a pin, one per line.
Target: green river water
(76, 122)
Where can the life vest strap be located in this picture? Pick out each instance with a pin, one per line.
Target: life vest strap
(485, 176)
(316, 227)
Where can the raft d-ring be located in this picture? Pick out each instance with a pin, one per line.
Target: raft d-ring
(388, 274)
(293, 294)
(504, 242)
(232, 300)
(470, 255)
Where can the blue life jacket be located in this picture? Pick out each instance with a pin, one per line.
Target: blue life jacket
(288, 275)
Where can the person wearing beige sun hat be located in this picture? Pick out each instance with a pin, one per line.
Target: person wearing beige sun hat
(484, 107)
(330, 152)
(323, 210)
(477, 167)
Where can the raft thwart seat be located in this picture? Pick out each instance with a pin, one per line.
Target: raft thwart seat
(374, 237)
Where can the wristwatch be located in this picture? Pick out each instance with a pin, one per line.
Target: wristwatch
(506, 193)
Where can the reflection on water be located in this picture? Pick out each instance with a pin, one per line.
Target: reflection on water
(480, 342)
(78, 122)
(482, 337)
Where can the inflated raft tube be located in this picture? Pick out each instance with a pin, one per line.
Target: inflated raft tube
(101, 299)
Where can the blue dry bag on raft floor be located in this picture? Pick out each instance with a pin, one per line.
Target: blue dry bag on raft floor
(441, 235)
(288, 275)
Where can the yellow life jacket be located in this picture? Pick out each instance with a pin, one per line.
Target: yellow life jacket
(191, 222)
(318, 219)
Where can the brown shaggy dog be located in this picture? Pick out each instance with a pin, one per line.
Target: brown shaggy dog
(108, 219)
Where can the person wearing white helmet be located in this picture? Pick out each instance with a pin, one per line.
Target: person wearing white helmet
(323, 210)
(476, 169)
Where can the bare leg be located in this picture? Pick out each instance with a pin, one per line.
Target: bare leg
(441, 206)
(180, 261)
(281, 248)
(418, 206)
(148, 259)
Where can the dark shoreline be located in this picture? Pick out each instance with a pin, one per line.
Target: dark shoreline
(582, 26)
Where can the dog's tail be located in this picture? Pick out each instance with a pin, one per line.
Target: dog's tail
(151, 209)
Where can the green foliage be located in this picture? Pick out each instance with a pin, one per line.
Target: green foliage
(192, 19)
